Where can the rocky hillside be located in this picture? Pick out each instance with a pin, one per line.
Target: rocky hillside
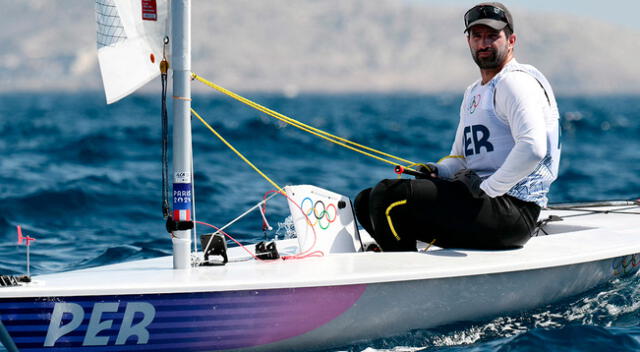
(320, 46)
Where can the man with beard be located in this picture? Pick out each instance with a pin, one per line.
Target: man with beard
(488, 192)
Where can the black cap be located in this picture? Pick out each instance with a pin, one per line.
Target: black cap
(492, 14)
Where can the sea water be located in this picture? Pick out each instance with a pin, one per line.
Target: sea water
(84, 179)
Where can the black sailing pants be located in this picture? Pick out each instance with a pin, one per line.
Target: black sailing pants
(398, 212)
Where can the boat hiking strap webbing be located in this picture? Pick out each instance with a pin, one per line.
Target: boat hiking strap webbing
(632, 205)
(356, 147)
(236, 151)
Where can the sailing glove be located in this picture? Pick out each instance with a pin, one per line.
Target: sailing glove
(471, 180)
(430, 170)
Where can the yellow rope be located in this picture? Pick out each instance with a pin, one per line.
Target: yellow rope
(236, 151)
(428, 167)
(310, 129)
(393, 205)
(451, 156)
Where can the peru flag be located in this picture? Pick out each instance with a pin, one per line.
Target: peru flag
(182, 215)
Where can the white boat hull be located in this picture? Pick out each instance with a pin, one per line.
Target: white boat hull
(312, 303)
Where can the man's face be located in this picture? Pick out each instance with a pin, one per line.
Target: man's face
(489, 47)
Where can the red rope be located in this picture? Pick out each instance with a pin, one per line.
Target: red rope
(307, 253)
(304, 254)
(233, 239)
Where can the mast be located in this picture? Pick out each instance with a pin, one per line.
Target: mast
(182, 153)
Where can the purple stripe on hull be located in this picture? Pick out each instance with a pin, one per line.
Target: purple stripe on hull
(228, 301)
(225, 324)
(189, 321)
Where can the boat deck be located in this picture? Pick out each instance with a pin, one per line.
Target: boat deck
(579, 237)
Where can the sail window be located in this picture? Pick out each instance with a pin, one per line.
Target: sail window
(110, 29)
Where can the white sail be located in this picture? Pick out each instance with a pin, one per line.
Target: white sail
(130, 37)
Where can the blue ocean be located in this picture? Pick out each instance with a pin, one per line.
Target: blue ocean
(84, 179)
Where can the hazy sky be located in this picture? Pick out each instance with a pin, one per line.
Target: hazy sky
(621, 12)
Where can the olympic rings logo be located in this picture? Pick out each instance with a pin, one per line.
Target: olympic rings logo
(624, 265)
(474, 104)
(324, 214)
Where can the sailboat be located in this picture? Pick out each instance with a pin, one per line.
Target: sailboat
(316, 291)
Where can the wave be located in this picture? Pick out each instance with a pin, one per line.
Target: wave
(55, 202)
(119, 254)
(574, 338)
(92, 149)
(5, 225)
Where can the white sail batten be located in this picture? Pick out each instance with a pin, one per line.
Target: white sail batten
(130, 38)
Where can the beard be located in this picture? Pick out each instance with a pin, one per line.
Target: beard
(492, 61)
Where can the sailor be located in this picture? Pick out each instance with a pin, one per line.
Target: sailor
(488, 192)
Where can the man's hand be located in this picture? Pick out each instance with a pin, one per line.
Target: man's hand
(429, 169)
(470, 179)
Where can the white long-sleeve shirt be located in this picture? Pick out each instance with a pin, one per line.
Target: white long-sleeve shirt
(508, 133)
